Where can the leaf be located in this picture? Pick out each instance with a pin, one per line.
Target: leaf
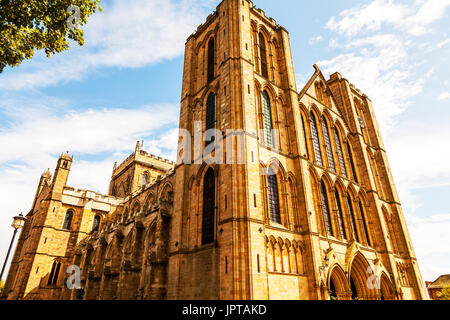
(27, 26)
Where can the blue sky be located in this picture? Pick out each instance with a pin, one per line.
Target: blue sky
(124, 85)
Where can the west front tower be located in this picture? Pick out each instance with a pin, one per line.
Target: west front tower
(238, 76)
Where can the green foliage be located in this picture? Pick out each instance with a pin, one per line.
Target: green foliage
(444, 294)
(2, 285)
(29, 25)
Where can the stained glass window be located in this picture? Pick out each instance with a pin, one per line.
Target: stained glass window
(211, 60)
(144, 179)
(316, 143)
(208, 216)
(326, 209)
(304, 135)
(340, 153)
(54, 273)
(263, 54)
(68, 220)
(274, 201)
(210, 114)
(267, 118)
(96, 224)
(352, 164)
(326, 136)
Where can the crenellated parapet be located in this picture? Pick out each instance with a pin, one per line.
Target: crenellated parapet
(139, 169)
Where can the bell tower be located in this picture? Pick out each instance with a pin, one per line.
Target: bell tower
(61, 175)
(238, 86)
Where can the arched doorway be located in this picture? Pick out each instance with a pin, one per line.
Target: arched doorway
(338, 285)
(386, 289)
(360, 274)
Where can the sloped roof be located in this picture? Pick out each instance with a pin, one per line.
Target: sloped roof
(442, 281)
(66, 156)
(334, 105)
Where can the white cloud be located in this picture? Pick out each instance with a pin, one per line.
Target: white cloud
(412, 19)
(301, 80)
(166, 145)
(91, 175)
(315, 40)
(427, 168)
(418, 161)
(443, 43)
(367, 18)
(91, 131)
(136, 33)
(382, 63)
(379, 65)
(429, 11)
(127, 34)
(430, 239)
(444, 96)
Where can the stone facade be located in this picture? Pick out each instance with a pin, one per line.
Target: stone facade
(327, 225)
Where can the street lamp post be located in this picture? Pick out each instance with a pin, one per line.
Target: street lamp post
(18, 223)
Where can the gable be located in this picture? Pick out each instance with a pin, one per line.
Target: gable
(317, 92)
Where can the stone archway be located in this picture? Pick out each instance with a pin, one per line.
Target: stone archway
(338, 286)
(130, 272)
(360, 273)
(111, 270)
(386, 288)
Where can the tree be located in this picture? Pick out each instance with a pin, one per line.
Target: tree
(444, 294)
(29, 25)
(2, 285)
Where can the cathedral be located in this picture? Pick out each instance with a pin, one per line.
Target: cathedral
(309, 211)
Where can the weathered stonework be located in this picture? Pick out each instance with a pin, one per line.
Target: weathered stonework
(149, 244)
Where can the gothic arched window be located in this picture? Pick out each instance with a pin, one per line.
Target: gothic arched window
(315, 136)
(326, 136)
(54, 273)
(210, 114)
(352, 164)
(68, 220)
(208, 216)
(144, 179)
(273, 197)
(340, 214)
(364, 221)
(96, 224)
(267, 119)
(263, 55)
(211, 60)
(340, 153)
(352, 218)
(326, 209)
(304, 135)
